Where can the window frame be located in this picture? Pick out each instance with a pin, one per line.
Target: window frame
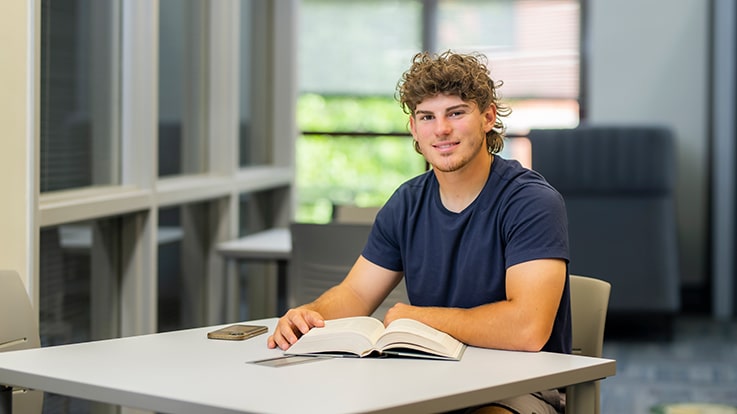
(141, 193)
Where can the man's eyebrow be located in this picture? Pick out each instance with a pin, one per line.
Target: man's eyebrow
(448, 109)
(459, 106)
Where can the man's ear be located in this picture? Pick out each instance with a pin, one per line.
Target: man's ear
(489, 117)
(412, 124)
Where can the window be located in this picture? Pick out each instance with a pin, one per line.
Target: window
(252, 107)
(182, 97)
(129, 246)
(88, 240)
(337, 166)
(78, 290)
(180, 281)
(69, 310)
(365, 54)
(354, 146)
(80, 89)
(532, 46)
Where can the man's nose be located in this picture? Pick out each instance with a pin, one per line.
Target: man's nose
(442, 126)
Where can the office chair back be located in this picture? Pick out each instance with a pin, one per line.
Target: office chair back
(322, 255)
(589, 303)
(345, 213)
(18, 330)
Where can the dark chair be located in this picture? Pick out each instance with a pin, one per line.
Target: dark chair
(322, 255)
(618, 183)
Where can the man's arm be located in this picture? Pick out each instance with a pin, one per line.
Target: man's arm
(360, 293)
(522, 322)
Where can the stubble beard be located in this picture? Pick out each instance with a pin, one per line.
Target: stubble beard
(448, 165)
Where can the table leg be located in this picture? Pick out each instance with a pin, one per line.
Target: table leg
(232, 291)
(6, 400)
(281, 286)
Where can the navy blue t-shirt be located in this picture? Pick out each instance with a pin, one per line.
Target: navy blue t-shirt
(460, 259)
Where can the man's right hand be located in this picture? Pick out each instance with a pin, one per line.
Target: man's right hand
(295, 323)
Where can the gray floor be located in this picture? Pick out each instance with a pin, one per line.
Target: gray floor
(699, 364)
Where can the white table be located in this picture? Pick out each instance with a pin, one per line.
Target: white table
(184, 372)
(78, 237)
(268, 245)
(272, 244)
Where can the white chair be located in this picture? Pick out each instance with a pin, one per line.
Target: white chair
(589, 303)
(322, 255)
(18, 330)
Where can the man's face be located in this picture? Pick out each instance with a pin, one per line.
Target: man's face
(450, 132)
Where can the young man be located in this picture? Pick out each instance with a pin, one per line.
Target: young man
(481, 242)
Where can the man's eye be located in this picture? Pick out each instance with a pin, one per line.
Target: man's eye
(425, 117)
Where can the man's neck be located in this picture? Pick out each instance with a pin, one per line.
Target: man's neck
(458, 189)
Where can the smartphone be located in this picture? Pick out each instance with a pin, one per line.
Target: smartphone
(237, 332)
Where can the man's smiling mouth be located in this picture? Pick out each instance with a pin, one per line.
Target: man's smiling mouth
(444, 146)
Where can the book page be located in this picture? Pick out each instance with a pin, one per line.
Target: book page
(353, 335)
(408, 333)
(365, 325)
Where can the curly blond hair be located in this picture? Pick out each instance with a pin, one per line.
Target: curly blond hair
(462, 75)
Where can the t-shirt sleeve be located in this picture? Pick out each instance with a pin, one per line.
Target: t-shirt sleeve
(535, 225)
(382, 246)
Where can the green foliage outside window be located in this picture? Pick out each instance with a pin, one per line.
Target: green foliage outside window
(363, 171)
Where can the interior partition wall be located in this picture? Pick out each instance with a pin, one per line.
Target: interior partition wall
(104, 96)
(724, 158)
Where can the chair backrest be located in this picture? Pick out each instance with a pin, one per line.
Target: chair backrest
(322, 255)
(345, 213)
(18, 330)
(589, 303)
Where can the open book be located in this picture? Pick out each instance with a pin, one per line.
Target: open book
(364, 336)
